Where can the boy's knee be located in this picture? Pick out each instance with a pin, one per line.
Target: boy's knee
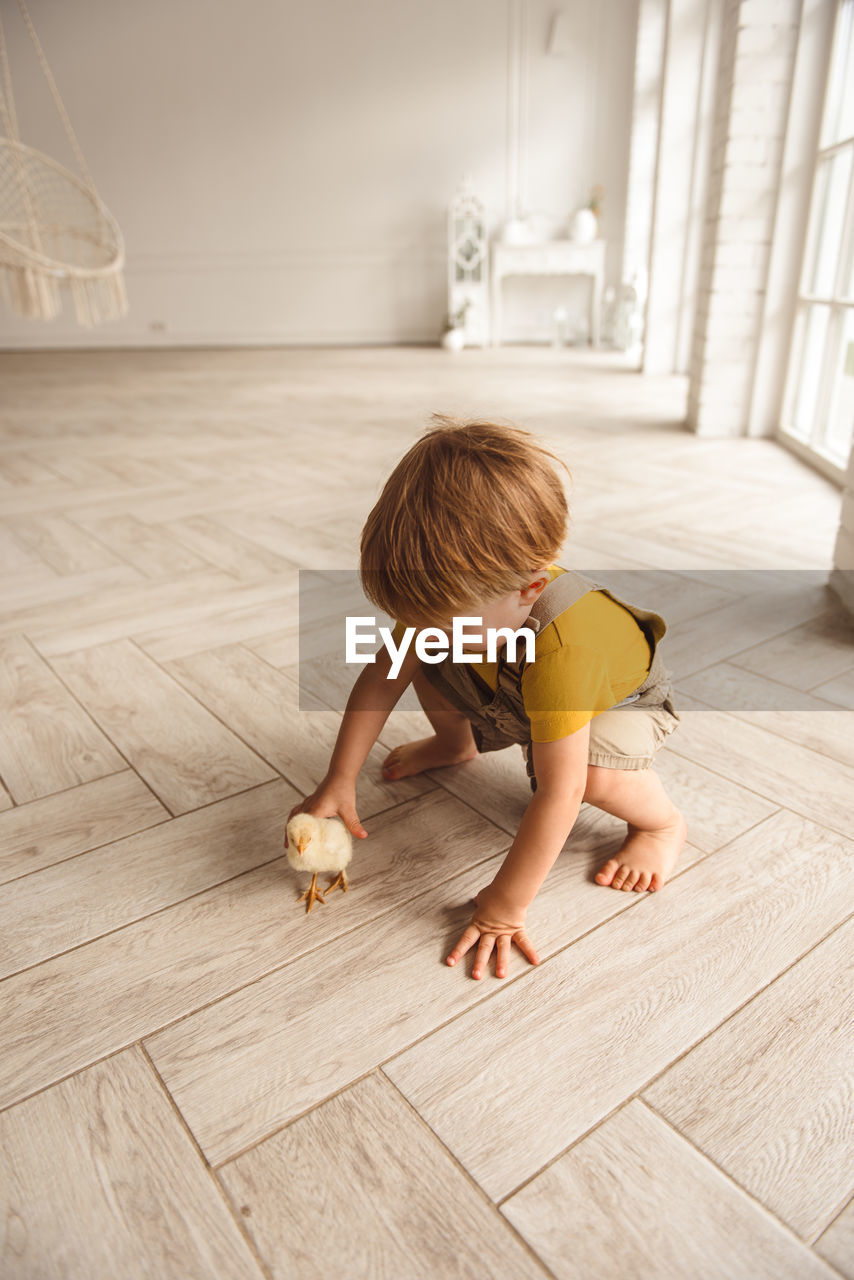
(597, 781)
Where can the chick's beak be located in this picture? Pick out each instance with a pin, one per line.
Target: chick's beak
(301, 844)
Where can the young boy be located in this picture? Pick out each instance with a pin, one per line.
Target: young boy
(468, 525)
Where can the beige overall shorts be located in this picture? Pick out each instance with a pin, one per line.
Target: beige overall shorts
(627, 736)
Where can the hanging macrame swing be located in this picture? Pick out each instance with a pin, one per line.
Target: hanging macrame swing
(54, 227)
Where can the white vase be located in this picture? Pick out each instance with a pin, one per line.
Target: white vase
(585, 227)
(453, 339)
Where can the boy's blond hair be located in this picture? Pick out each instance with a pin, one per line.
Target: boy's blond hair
(469, 512)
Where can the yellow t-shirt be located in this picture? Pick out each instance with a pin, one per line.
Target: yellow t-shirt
(592, 656)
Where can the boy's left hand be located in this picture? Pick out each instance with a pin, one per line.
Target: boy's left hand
(497, 924)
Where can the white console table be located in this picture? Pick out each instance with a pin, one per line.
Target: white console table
(553, 258)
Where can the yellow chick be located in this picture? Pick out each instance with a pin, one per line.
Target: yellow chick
(319, 844)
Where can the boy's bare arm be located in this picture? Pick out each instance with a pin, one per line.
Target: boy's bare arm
(501, 907)
(371, 700)
(561, 771)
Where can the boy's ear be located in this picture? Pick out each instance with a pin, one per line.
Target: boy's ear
(537, 584)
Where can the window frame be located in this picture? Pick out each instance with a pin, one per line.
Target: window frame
(784, 297)
(814, 441)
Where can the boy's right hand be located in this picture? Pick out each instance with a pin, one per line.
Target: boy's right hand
(331, 800)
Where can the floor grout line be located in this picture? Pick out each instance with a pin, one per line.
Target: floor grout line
(221, 1191)
(738, 1186)
(56, 675)
(637, 1094)
(461, 1168)
(224, 425)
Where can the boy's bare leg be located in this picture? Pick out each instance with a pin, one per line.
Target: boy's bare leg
(657, 829)
(451, 743)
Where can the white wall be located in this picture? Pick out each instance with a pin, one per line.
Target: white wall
(759, 43)
(281, 170)
(842, 576)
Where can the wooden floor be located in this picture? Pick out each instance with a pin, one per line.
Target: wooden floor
(199, 1080)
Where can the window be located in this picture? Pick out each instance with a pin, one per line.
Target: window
(819, 404)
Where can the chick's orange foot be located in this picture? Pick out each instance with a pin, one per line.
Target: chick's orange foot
(340, 882)
(313, 895)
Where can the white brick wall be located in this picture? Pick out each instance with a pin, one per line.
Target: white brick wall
(754, 77)
(842, 577)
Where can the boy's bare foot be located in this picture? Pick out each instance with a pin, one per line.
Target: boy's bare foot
(646, 857)
(426, 753)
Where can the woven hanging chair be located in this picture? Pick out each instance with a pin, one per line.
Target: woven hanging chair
(54, 227)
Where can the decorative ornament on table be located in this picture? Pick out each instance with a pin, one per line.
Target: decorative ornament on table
(585, 224)
(518, 230)
(531, 228)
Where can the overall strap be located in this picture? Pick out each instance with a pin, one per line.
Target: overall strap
(560, 594)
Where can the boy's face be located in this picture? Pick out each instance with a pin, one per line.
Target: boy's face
(510, 611)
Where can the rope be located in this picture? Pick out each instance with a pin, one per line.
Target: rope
(10, 118)
(60, 105)
(30, 270)
(10, 121)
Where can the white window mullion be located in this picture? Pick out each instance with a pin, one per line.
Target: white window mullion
(843, 287)
(826, 152)
(820, 421)
(793, 374)
(818, 389)
(783, 318)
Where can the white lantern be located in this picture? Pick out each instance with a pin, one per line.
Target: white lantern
(468, 275)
